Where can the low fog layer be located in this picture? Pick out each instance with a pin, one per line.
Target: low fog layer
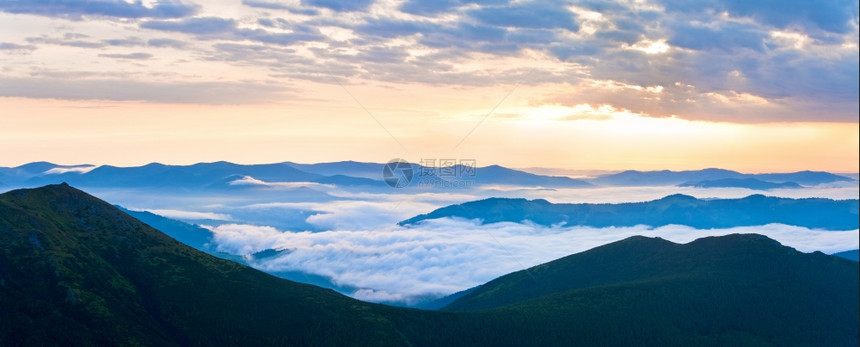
(443, 256)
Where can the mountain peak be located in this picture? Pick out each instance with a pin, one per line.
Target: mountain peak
(75, 270)
(747, 260)
(679, 197)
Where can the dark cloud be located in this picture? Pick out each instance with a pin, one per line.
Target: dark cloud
(423, 7)
(340, 5)
(729, 58)
(75, 9)
(266, 22)
(829, 15)
(532, 36)
(727, 37)
(9, 46)
(274, 57)
(227, 29)
(166, 43)
(601, 6)
(131, 56)
(433, 7)
(126, 42)
(198, 26)
(535, 14)
(395, 28)
(628, 37)
(66, 41)
(569, 50)
(463, 35)
(278, 6)
(384, 55)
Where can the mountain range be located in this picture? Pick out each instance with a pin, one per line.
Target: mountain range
(75, 270)
(225, 175)
(671, 178)
(673, 209)
(702, 286)
(850, 255)
(749, 183)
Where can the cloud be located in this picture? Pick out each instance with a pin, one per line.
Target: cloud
(422, 7)
(135, 90)
(67, 40)
(533, 14)
(14, 47)
(727, 37)
(340, 5)
(429, 8)
(76, 9)
(77, 169)
(187, 215)
(250, 181)
(800, 58)
(199, 25)
(279, 6)
(352, 214)
(171, 43)
(132, 56)
(126, 42)
(350, 236)
(829, 15)
(447, 255)
(228, 29)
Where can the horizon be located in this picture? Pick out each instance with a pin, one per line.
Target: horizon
(552, 171)
(647, 85)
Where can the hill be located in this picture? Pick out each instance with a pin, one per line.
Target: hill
(749, 183)
(850, 255)
(498, 175)
(75, 270)
(673, 209)
(666, 177)
(732, 288)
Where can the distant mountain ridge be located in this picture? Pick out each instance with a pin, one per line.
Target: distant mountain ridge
(217, 175)
(673, 209)
(220, 175)
(749, 183)
(850, 255)
(666, 177)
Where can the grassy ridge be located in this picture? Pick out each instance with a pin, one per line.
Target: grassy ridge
(75, 270)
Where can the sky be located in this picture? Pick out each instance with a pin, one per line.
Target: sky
(761, 86)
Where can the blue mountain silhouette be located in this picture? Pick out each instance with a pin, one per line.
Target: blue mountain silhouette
(673, 209)
(749, 183)
(666, 177)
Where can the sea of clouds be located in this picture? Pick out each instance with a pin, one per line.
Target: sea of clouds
(352, 238)
(443, 256)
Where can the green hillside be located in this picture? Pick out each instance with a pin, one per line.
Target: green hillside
(75, 270)
(730, 289)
